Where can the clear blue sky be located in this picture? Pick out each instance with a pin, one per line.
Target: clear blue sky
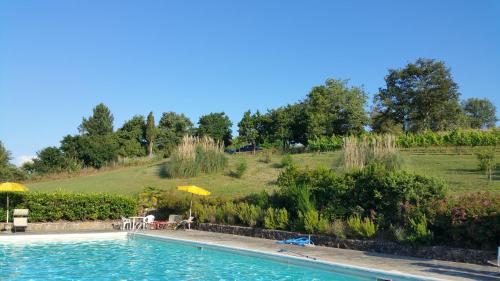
(58, 59)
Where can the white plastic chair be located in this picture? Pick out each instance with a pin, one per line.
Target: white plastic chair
(126, 223)
(149, 219)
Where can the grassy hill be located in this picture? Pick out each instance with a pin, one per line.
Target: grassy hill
(459, 171)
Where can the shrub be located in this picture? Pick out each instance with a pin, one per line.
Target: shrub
(337, 228)
(196, 155)
(240, 170)
(227, 213)
(205, 213)
(312, 222)
(392, 196)
(358, 228)
(286, 161)
(249, 215)
(323, 144)
(148, 198)
(296, 199)
(487, 163)
(458, 137)
(276, 219)
(398, 233)
(419, 233)
(451, 138)
(471, 220)
(70, 206)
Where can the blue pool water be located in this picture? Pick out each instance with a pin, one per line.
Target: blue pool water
(144, 259)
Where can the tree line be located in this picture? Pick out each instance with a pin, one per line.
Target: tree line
(421, 96)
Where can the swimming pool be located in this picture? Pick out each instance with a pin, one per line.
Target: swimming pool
(117, 256)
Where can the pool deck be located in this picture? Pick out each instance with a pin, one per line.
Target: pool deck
(397, 264)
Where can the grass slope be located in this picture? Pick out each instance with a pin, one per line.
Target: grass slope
(459, 171)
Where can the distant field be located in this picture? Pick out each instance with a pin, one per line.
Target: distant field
(459, 171)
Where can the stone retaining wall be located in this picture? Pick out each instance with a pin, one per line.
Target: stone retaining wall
(385, 247)
(70, 226)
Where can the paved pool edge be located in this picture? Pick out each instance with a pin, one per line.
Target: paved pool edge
(342, 268)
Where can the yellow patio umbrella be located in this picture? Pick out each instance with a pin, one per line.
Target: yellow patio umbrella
(11, 187)
(193, 189)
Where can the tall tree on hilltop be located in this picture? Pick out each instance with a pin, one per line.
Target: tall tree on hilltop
(171, 129)
(131, 137)
(247, 129)
(421, 96)
(151, 133)
(216, 126)
(480, 113)
(335, 108)
(99, 123)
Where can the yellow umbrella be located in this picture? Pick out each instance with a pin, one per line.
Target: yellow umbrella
(11, 187)
(193, 189)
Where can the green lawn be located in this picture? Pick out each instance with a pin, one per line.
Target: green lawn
(459, 171)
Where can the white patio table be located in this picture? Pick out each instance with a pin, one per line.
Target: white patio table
(133, 219)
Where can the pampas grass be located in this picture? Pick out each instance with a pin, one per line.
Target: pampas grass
(359, 152)
(196, 155)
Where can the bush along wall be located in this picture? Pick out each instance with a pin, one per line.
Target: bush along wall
(367, 204)
(69, 206)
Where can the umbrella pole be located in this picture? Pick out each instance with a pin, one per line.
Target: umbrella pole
(190, 207)
(7, 208)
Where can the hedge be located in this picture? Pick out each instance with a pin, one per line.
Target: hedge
(69, 206)
(471, 138)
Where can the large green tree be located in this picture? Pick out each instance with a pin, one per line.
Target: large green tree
(480, 113)
(247, 128)
(8, 172)
(96, 151)
(217, 126)
(421, 96)
(52, 160)
(151, 133)
(131, 137)
(335, 108)
(99, 123)
(171, 129)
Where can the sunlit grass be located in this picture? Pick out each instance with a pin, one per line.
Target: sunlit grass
(459, 171)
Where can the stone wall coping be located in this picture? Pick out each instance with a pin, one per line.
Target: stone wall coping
(379, 246)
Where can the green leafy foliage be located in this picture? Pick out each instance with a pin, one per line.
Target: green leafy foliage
(421, 96)
(150, 133)
(276, 218)
(249, 215)
(99, 123)
(9, 172)
(70, 206)
(487, 162)
(216, 126)
(457, 137)
(131, 137)
(312, 222)
(335, 108)
(287, 161)
(467, 221)
(419, 233)
(170, 131)
(240, 170)
(323, 143)
(358, 228)
(480, 113)
(373, 190)
(53, 160)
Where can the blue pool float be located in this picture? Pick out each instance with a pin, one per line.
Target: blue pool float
(299, 241)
